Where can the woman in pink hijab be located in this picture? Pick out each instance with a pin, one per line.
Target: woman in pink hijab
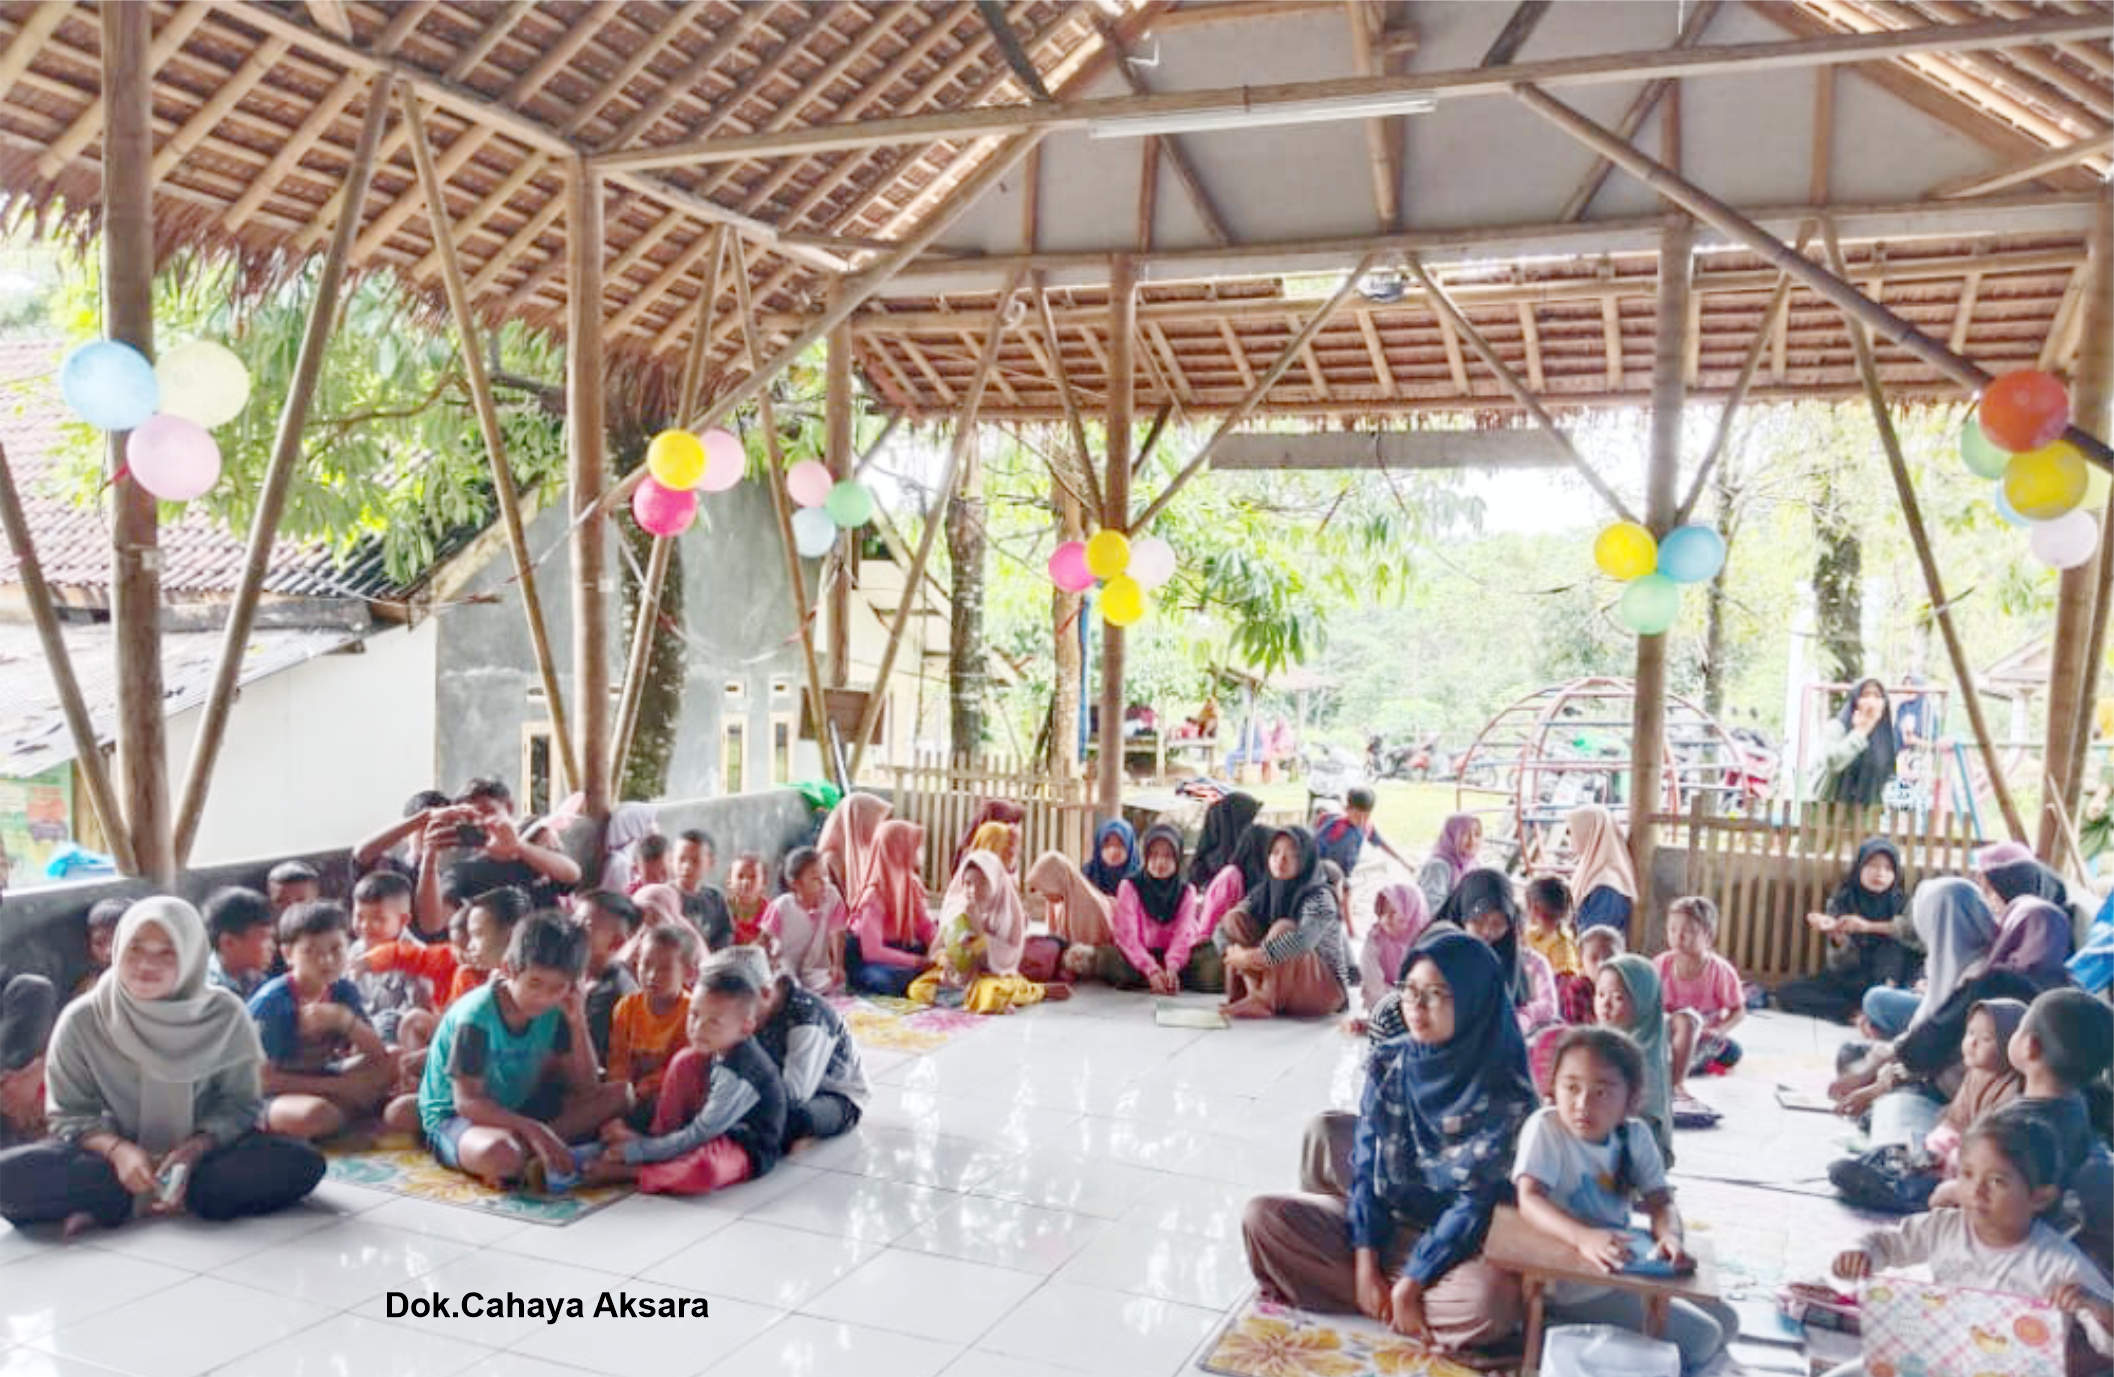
(1399, 919)
(847, 844)
(1077, 912)
(983, 931)
(891, 928)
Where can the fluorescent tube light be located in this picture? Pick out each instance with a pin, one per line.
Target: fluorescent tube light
(1324, 110)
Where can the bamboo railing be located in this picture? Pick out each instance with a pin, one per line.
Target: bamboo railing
(942, 795)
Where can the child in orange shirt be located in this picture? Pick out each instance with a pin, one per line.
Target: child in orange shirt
(649, 1027)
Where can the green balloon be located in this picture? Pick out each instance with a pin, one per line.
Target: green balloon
(1984, 459)
(849, 504)
(1649, 604)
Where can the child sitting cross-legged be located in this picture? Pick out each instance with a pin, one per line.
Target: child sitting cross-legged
(1584, 1164)
(240, 921)
(510, 1079)
(720, 1118)
(611, 920)
(982, 933)
(324, 1064)
(804, 927)
(1994, 1241)
(647, 1029)
(1704, 998)
(1160, 941)
(825, 1083)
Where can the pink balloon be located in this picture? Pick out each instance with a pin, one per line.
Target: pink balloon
(725, 461)
(172, 458)
(1068, 567)
(808, 483)
(661, 510)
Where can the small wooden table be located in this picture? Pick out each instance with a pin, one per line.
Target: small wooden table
(1517, 1246)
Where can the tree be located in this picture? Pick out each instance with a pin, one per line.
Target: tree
(966, 676)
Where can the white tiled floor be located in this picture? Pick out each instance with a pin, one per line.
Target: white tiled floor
(1054, 1192)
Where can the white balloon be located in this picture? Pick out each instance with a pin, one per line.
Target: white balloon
(1151, 561)
(813, 532)
(2067, 541)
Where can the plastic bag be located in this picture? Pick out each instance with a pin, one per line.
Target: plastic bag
(1601, 1350)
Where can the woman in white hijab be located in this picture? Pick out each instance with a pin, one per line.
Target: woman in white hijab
(153, 1089)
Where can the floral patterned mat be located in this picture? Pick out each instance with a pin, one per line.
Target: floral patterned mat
(884, 1023)
(1265, 1340)
(397, 1165)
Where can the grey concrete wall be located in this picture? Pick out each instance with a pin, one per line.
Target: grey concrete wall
(737, 615)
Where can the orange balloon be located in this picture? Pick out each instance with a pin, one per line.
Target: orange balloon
(2024, 410)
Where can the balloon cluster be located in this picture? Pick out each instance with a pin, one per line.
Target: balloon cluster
(169, 407)
(826, 506)
(1129, 568)
(679, 466)
(2015, 439)
(1654, 570)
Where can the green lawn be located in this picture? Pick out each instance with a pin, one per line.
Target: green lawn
(1409, 814)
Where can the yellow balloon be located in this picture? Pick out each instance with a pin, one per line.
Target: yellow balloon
(1626, 550)
(676, 459)
(1122, 600)
(1107, 555)
(2042, 484)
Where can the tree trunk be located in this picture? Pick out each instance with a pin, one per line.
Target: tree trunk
(643, 774)
(965, 638)
(1065, 607)
(1716, 672)
(1838, 582)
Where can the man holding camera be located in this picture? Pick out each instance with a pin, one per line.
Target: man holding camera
(474, 845)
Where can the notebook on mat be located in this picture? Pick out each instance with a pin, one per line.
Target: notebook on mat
(1169, 1013)
(1916, 1327)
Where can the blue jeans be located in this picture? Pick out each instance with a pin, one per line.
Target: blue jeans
(1889, 1010)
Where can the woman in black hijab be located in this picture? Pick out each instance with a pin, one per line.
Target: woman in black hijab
(1224, 821)
(1283, 943)
(1865, 922)
(1859, 749)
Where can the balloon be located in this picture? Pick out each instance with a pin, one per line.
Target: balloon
(1692, 554)
(1625, 550)
(808, 483)
(676, 460)
(109, 385)
(1151, 561)
(1649, 605)
(2005, 509)
(813, 532)
(2042, 484)
(1068, 567)
(849, 504)
(1122, 601)
(2067, 541)
(203, 382)
(1984, 459)
(661, 510)
(172, 458)
(1108, 554)
(725, 461)
(2024, 410)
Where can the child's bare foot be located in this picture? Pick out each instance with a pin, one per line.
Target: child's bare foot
(79, 1222)
(1057, 990)
(1246, 1008)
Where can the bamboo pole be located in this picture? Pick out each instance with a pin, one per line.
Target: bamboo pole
(964, 435)
(1077, 423)
(135, 553)
(836, 453)
(1443, 304)
(1919, 536)
(774, 479)
(1286, 357)
(1830, 285)
(1669, 393)
(504, 494)
(701, 341)
(2056, 159)
(641, 657)
(1115, 516)
(587, 472)
(44, 612)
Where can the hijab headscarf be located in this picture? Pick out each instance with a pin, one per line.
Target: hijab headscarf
(991, 810)
(187, 1036)
(1956, 929)
(1406, 902)
(628, 823)
(1224, 822)
(1106, 877)
(999, 919)
(1982, 1091)
(2034, 940)
(1085, 909)
(2015, 873)
(1001, 839)
(1453, 850)
(1851, 897)
(1603, 858)
(1479, 892)
(1251, 856)
(892, 879)
(1484, 1063)
(847, 844)
(1161, 899)
(1282, 898)
(1865, 778)
(1649, 1030)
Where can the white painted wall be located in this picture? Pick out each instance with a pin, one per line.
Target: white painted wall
(319, 755)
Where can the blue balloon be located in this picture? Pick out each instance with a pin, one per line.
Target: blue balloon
(1692, 554)
(2004, 508)
(109, 385)
(813, 532)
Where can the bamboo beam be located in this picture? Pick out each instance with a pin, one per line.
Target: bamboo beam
(1376, 354)
(1210, 13)
(1530, 339)
(587, 474)
(964, 436)
(2069, 155)
(29, 39)
(1115, 516)
(505, 496)
(1663, 474)
(1073, 419)
(1460, 325)
(837, 418)
(1964, 312)
(1200, 198)
(384, 226)
(1919, 536)
(1633, 118)
(278, 480)
(651, 44)
(707, 64)
(44, 612)
(1148, 191)
(1826, 284)
(692, 393)
(202, 122)
(657, 288)
(79, 134)
(1383, 134)
(1594, 69)
(1611, 339)
(126, 118)
(640, 659)
(1286, 357)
